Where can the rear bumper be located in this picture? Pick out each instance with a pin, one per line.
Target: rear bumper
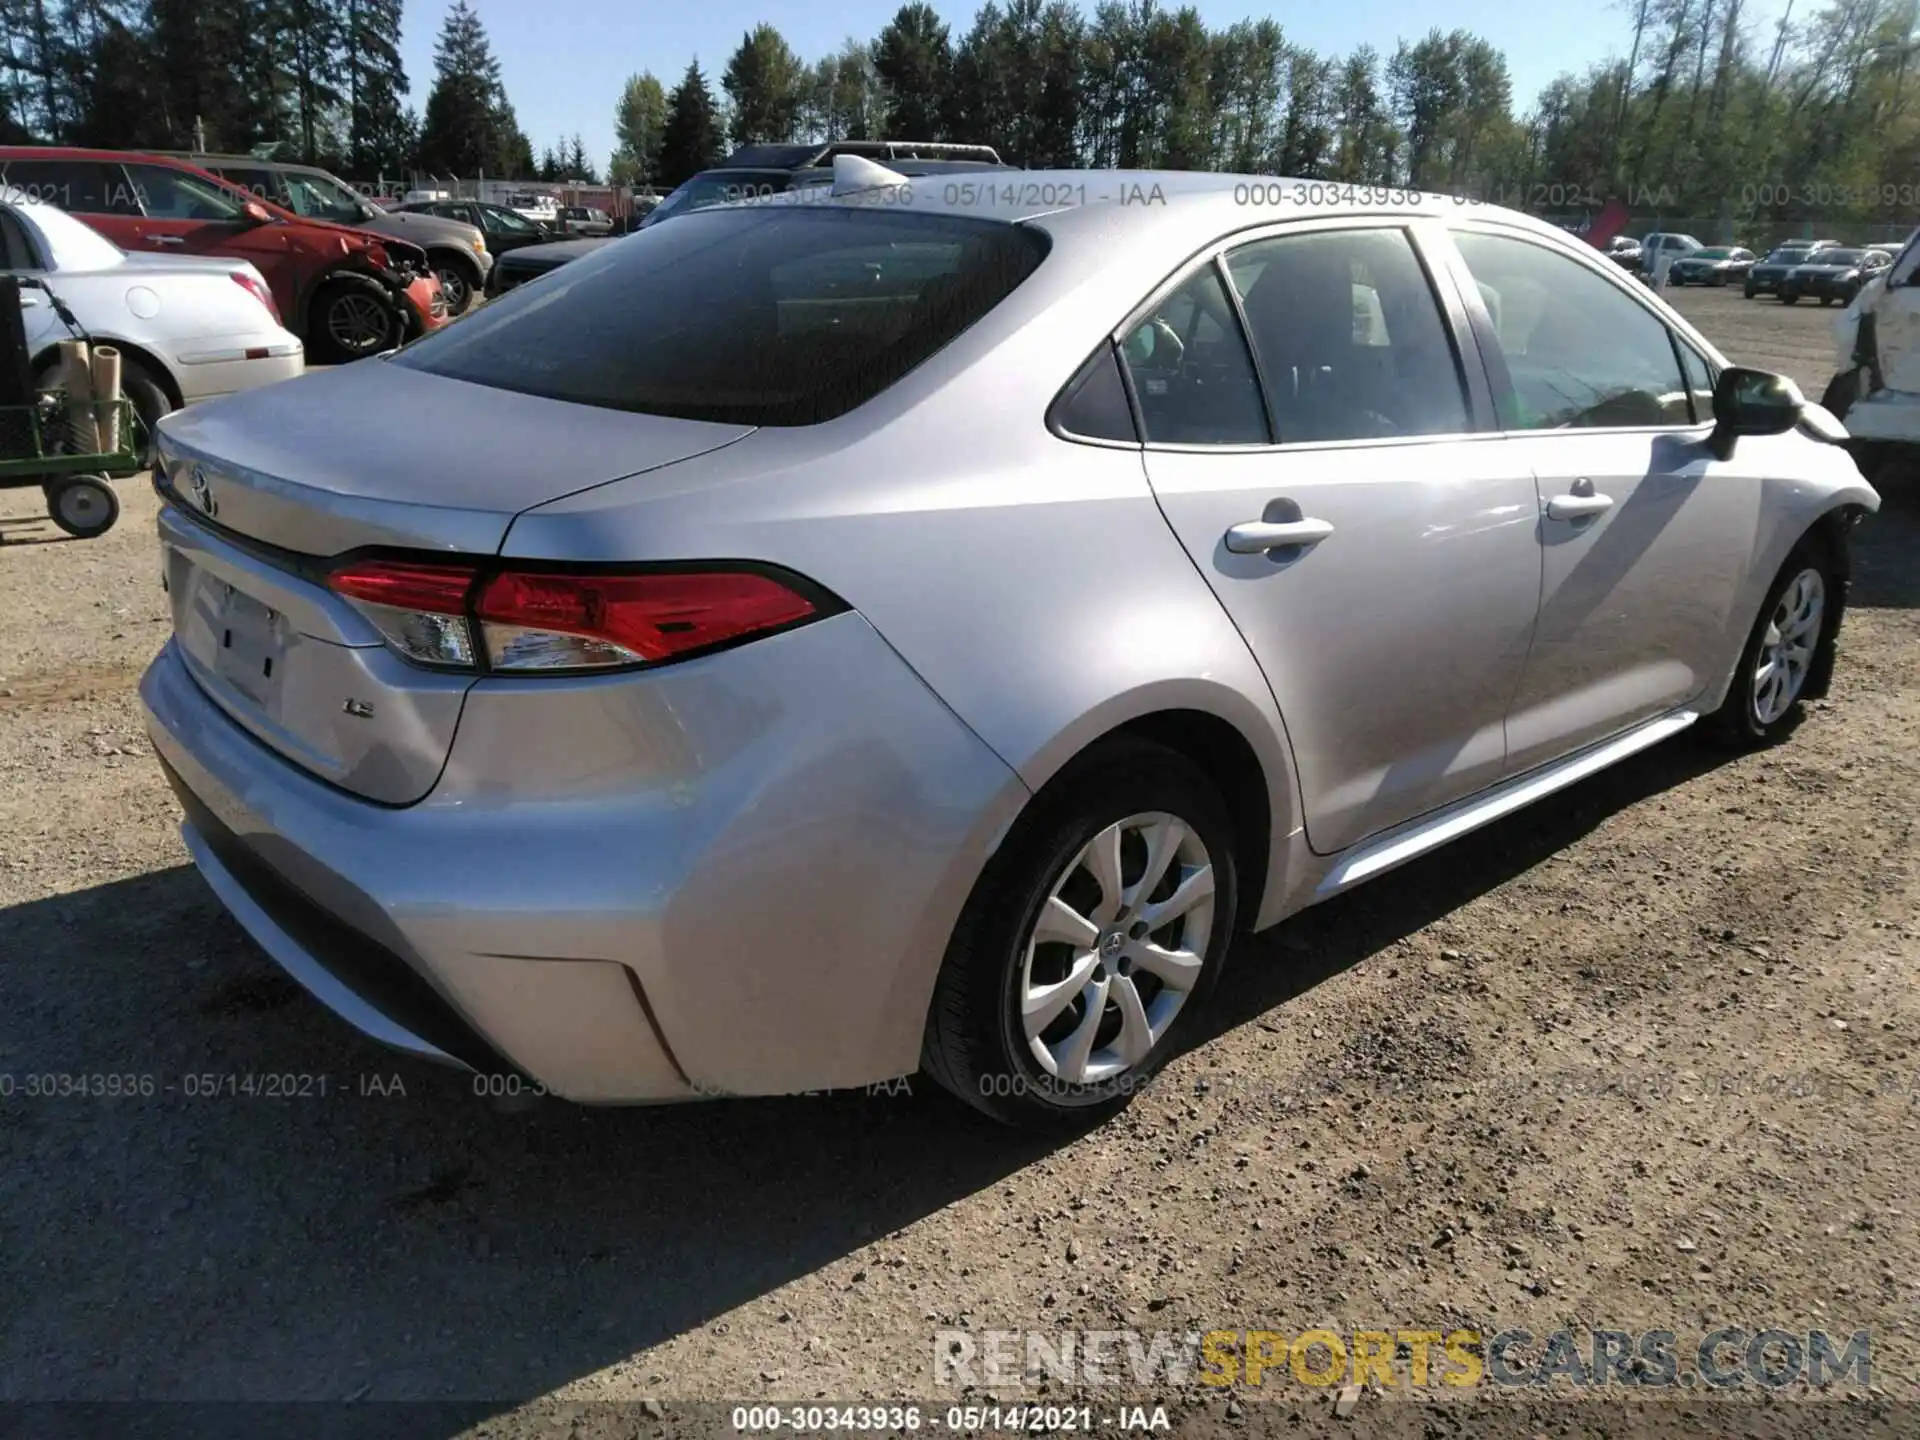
(736, 876)
(231, 363)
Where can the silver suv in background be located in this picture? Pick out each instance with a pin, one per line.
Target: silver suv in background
(457, 251)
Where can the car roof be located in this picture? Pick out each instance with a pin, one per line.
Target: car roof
(73, 244)
(1179, 199)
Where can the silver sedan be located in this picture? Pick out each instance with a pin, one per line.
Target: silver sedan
(918, 629)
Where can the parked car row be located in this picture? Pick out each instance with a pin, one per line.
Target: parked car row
(1823, 270)
(187, 327)
(767, 174)
(345, 291)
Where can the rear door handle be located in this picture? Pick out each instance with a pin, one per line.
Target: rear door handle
(166, 240)
(1575, 507)
(1254, 537)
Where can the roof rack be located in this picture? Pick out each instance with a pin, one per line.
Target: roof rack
(821, 155)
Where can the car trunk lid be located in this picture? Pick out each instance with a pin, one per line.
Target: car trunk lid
(269, 489)
(377, 454)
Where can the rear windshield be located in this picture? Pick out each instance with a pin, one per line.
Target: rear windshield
(1717, 252)
(1840, 257)
(745, 316)
(1789, 256)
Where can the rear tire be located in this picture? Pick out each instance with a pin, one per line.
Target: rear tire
(1792, 639)
(1116, 811)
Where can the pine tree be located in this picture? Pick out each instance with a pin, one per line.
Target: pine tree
(915, 62)
(469, 127)
(690, 140)
(637, 124)
(378, 135)
(767, 84)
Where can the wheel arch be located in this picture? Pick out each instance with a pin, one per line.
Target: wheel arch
(1832, 528)
(1230, 741)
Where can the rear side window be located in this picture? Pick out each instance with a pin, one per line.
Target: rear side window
(1352, 342)
(747, 316)
(88, 187)
(1190, 369)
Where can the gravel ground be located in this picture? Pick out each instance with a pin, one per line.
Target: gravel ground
(1640, 1057)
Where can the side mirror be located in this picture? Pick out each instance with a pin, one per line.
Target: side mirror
(1752, 402)
(257, 213)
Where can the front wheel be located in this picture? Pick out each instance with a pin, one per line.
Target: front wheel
(351, 320)
(459, 284)
(1796, 625)
(1093, 935)
(1750, 292)
(1786, 299)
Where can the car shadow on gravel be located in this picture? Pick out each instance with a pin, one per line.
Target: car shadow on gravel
(367, 1226)
(1269, 969)
(364, 1225)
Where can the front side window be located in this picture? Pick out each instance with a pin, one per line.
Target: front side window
(1191, 372)
(503, 222)
(321, 197)
(1580, 352)
(1700, 377)
(175, 195)
(781, 316)
(1351, 340)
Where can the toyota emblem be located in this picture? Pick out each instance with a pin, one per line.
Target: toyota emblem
(202, 493)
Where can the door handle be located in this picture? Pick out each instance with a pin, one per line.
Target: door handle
(1253, 537)
(1576, 507)
(166, 240)
(28, 301)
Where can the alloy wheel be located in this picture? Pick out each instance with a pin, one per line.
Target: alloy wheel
(1787, 647)
(1117, 949)
(455, 289)
(358, 323)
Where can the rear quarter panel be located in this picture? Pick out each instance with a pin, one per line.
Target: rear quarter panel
(1031, 581)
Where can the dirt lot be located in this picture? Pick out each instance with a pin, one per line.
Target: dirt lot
(1400, 1117)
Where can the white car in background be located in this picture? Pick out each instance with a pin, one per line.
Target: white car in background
(1876, 390)
(187, 327)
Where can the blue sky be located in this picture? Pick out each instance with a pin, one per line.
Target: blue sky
(564, 61)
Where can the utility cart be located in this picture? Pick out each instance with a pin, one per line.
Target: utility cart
(36, 449)
(52, 440)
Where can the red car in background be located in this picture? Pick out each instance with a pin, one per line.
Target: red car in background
(348, 293)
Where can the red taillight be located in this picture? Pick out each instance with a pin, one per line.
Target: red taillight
(441, 589)
(253, 287)
(541, 621)
(549, 620)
